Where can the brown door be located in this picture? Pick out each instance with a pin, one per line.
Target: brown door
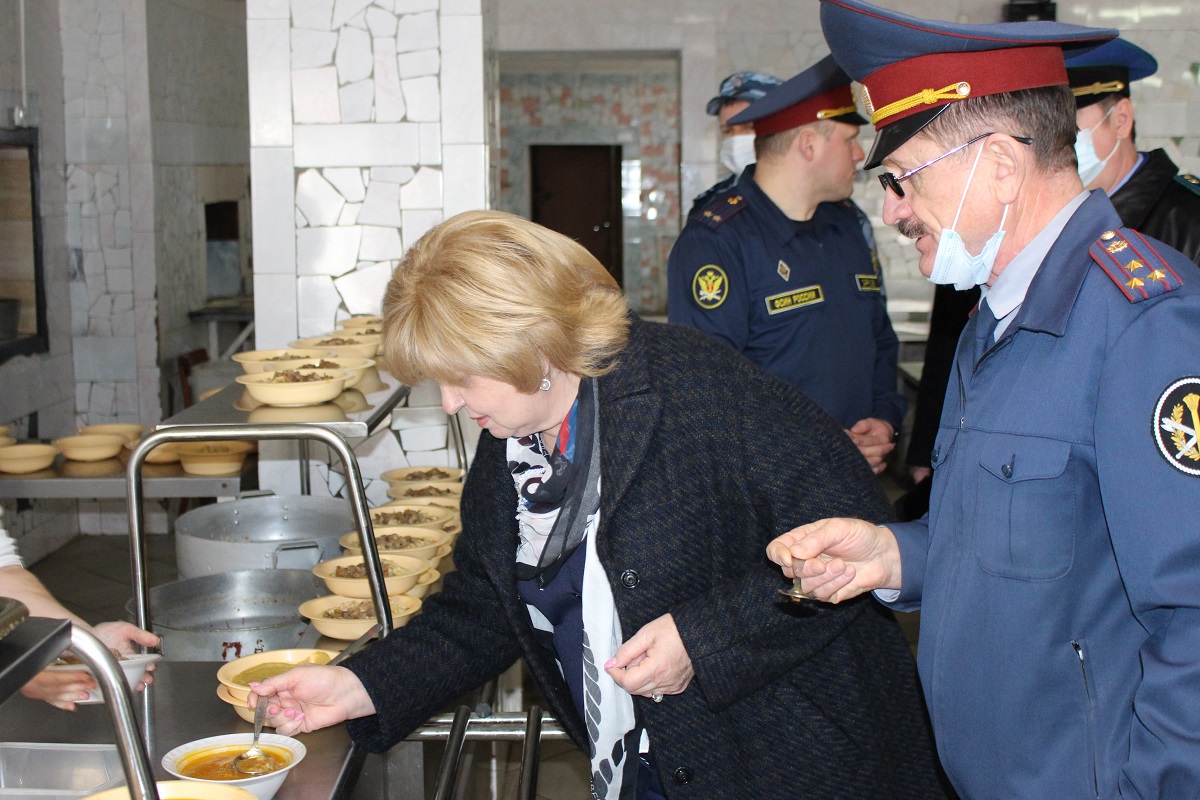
(577, 191)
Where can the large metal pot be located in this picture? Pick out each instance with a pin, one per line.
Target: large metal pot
(260, 533)
(223, 617)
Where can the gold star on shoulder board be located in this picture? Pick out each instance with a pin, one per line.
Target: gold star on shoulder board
(716, 217)
(1157, 275)
(733, 201)
(1134, 283)
(1135, 265)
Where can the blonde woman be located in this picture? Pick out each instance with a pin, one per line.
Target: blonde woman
(615, 518)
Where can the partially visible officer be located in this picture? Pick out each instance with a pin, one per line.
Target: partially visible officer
(1058, 569)
(783, 266)
(1146, 188)
(736, 94)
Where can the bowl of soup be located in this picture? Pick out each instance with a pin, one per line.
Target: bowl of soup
(348, 618)
(210, 760)
(422, 543)
(347, 576)
(237, 675)
(181, 790)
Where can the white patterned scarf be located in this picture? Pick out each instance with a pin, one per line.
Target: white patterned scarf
(613, 733)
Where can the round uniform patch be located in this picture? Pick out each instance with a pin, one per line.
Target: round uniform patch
(1177, 425)
(710, 286)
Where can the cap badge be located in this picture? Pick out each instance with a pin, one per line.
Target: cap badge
(710, 287)
(1177, 425)
(1108, 235)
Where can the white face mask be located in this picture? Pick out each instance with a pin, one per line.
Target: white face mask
(952, 263)
(737, 152)
(1090, 165)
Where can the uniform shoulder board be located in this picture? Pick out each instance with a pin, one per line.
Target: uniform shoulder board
(1134, 264)
(1190, 181)
(722, 209)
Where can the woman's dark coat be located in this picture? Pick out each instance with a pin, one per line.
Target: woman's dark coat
(705, 458)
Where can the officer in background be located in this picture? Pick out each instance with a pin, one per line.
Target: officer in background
(783, 266)
(736, 94)
(1146, 188)
(1056, 572)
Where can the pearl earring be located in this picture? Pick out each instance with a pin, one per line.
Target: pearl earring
(545, 384)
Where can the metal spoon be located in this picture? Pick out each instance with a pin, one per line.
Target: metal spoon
(254, 761)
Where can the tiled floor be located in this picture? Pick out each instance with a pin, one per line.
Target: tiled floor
(91, 577)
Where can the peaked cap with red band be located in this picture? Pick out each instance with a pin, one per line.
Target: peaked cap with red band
(820, 92)
(913, 69)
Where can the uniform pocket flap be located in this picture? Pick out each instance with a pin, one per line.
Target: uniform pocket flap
(1024, 458)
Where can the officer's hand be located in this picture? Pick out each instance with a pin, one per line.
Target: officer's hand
(874, 438)
(837, 559)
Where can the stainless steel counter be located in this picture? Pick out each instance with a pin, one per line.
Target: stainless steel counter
(183, 706)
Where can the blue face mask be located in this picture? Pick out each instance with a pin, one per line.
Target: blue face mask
(1090, 164)
(952, 263)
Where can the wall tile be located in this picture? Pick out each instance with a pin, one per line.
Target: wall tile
(317, 303)
(431, 143)
(317, 199)
(382, 206)
(348, 181)
(379, 244)
(326, 251)
(316, 15)
(465, 178)
(462, 80)
(421, 98)
(381, 24)
(358, 101)
(267, 9)
(275, 319)
(418, 63)
(345, 10)
(413, 6)
(389, 99)
(312, 48)
(362, 290)
(315, 95)
(354, 59)
(105, 359)
(416, 32)
(460, 7)
(423, 191)
(268, 62)
(355, 145)
(417, 223)
(272, 204)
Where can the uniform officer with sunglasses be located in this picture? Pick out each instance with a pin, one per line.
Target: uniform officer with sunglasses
(783, 266)
(1058, 569)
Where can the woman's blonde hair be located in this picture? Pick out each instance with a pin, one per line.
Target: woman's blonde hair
(491, 294)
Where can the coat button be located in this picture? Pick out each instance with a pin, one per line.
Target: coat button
(683, 775)
(936, 452)
(629, 578)
(1006, 470)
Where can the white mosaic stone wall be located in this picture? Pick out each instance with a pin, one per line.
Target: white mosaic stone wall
(367, 127)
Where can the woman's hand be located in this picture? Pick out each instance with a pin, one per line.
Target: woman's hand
(310, 697)
(837, 559)
(60, 689)
(122, 636)
(653, 662)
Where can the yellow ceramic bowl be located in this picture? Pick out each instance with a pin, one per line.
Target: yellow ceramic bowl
(409, 569)
(355, 366)
(403, 607)
(413, 515)
(264, 388)
(5, 441)
(429, 581)
(163, 454)
(229, 672)
(92, 447)
(182, 790)
(362, 321)
(430, 540)
(424, 475)
(21, 459)
(240, 706)
(5, 430)
(212, 458)
(452, 502)
(405, 491)
(371, 382)
(255, 361)
(131, 431)
(346, 344)
(321, 412)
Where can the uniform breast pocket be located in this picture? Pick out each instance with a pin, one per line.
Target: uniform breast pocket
(1028, 508)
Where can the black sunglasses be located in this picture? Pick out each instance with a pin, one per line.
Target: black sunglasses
(889, 181)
